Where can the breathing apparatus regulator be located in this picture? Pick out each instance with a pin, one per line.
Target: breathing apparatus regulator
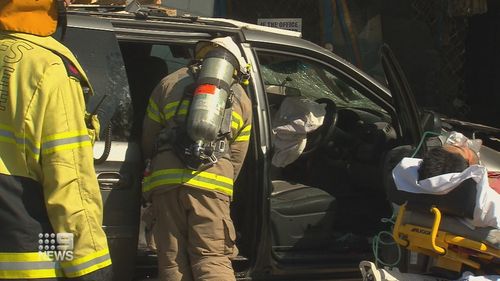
(209, 116)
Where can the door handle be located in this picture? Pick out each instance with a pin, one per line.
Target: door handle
(109, 180)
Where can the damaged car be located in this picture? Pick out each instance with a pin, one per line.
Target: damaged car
(308, 213)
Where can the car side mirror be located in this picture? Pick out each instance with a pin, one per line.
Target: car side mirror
(431, 122)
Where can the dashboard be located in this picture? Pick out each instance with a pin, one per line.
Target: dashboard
(361, 135)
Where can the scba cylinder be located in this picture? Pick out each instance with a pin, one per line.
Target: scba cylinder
(209, 100)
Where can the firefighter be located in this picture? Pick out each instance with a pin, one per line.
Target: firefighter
(50, 204)
(190, 174)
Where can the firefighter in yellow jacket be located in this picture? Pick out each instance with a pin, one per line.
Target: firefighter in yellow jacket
(193, 231)
(50, 205)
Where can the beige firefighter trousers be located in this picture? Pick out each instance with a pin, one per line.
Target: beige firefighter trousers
(194, 235)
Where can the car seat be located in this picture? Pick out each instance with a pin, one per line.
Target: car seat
(433, 224)
(301, 216)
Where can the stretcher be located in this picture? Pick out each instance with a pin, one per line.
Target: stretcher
(370, 272)
(434, 226)
(448, 240)
(449, 246)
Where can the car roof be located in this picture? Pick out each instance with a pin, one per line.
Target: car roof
(247, 32)
(153, 18)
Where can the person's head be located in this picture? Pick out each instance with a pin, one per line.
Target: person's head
(468, 154)
(37, 17)
(442, 160)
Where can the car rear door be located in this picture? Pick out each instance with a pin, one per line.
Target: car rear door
(118, 161)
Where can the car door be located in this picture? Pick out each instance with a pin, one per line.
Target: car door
(401, 107)
(404, 101)
(117, 157)
(298, 227)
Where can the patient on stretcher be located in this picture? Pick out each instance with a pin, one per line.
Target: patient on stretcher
(442, 170)
(448, 210)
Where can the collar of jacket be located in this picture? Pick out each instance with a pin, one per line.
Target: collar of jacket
(55, 46)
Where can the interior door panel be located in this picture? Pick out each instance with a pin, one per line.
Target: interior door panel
(120, 180)
(120, 173)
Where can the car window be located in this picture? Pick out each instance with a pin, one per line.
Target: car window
(146, 65)
(103, 64)
(166, 52)
(310, 79)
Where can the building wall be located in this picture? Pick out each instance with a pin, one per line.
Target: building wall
(430, 45)
(482, 66)
(196, 7)
(307, 10)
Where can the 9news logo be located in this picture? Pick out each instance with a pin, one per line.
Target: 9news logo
(57, 246)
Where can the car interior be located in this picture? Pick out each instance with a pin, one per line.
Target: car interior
(328, 204)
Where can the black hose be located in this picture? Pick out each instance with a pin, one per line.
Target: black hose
(107, 147)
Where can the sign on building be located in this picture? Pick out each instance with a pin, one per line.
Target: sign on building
(294, 24)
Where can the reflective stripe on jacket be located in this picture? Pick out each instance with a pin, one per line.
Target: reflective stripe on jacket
(38, 265)
(167, 170)
(47, 179)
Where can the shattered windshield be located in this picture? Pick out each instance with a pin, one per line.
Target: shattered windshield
(311, 80)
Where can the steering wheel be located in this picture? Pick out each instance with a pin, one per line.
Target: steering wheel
(323, 134)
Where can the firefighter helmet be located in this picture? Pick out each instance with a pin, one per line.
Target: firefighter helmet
(38, 17)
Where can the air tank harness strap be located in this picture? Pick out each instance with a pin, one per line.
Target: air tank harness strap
(221, 84)
(225, 128)
(179, 140)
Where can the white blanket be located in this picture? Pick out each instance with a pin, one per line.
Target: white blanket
(487, 210)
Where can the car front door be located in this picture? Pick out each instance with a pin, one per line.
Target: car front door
(404, 101)
(302, 229)
(322, 72)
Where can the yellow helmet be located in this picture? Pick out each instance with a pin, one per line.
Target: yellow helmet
(38, 17)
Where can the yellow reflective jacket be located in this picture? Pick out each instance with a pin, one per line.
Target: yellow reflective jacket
(48, 187)
(167, 170)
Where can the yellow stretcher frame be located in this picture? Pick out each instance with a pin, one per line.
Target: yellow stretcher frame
(440, 244)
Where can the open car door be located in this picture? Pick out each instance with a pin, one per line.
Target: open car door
(117, 156)
(404, 101)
